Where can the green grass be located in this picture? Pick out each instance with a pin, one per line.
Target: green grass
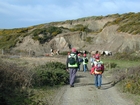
(121, 63)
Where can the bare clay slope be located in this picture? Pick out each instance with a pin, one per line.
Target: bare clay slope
(107, 39)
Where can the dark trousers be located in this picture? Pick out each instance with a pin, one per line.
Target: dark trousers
(72, 75)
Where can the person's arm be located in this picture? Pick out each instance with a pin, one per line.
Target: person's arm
(102, 68)
(67, 63)
(77, 60)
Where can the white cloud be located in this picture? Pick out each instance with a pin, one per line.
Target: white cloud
(38, 11)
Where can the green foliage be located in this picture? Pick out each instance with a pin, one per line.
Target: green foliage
(53, 73)
(14, 83)
(9, 37)
(131, 80)
(128, 22)
(126, 56)
(80, 27)
(20, 82)
(110, 65)
(45, 34)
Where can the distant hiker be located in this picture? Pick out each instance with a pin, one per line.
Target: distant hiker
(98, 70)
(68, 53)
(80, 60)
(72, 64)
(51, 51)
(85, 62)
(92, 59)
(97, 55)
(57, 52)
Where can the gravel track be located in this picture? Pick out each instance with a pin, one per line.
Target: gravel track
(85, 93)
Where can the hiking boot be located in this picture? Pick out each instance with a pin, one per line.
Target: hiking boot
(71, 85)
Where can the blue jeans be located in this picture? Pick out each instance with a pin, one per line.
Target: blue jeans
(98, 80)
(84, 67)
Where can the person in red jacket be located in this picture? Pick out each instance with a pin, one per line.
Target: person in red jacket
(98, 70)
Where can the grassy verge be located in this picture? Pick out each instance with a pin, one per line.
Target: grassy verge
(125, 76)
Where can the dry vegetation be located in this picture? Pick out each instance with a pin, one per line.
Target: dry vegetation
(30, 86)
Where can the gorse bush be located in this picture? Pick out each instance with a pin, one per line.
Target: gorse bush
(52, 73)
(9, 37)
(128, 22)
(45, 34)
(128, 79)
(80, 27)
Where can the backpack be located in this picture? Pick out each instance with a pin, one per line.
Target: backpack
(80, 60)
(86, 60)
(72, 59)
(99, 66)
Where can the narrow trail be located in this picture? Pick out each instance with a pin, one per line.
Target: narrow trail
(85, 93)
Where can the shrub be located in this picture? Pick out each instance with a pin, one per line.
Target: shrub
(128, 79)
(53, 73)
(20, 82)
(47, 33)
(14, 83)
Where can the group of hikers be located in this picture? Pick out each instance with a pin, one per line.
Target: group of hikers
(74, 61)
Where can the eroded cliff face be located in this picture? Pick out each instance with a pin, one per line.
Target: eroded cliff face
(110, 39)
(107, 39)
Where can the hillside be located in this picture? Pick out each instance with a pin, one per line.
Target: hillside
(116, 33)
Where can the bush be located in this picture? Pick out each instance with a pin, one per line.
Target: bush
(18, 83)
(128, 79)
(53, 73)
(14, 83)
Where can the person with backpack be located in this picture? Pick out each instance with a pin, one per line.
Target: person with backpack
(97, 55)
(72, 64)
(98, 70)
(80, 60)
(85, 62)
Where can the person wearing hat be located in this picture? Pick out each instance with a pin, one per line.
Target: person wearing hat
(85, 62)
(80, 60)
(72, 64)
(98, 70)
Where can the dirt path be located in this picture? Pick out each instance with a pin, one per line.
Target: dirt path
(85, 93)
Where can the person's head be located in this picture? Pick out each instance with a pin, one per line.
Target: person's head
(97, 52)
(79, 54)
(73, 50)
(68, 53)
(84, 55)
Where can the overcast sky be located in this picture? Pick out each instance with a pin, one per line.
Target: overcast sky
(24, 13)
